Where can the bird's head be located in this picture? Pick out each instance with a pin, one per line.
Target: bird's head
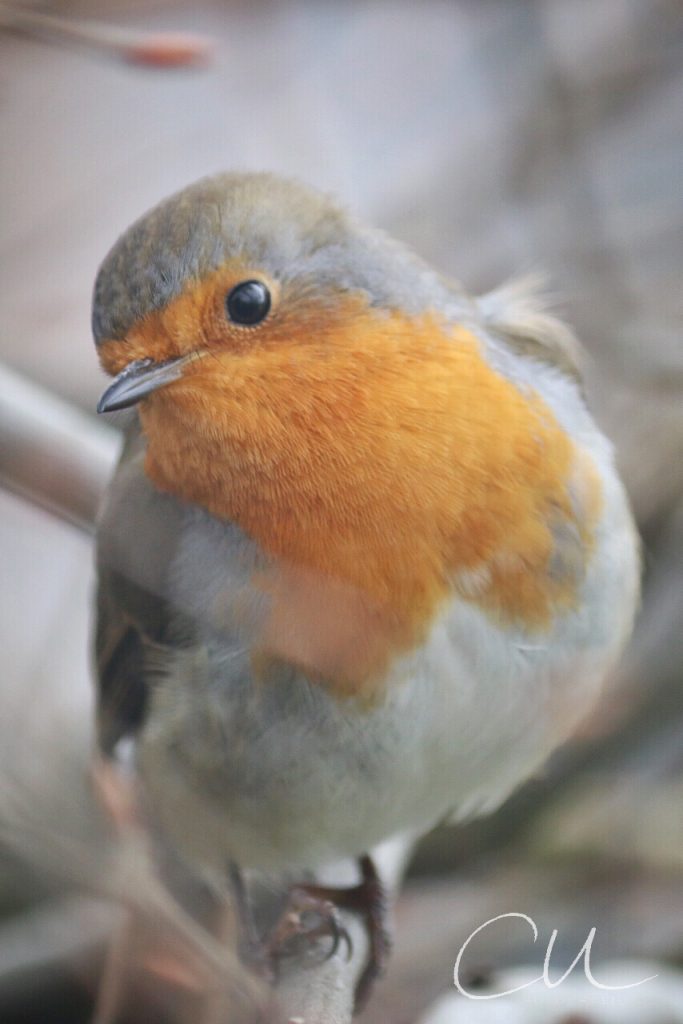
(269, 341)
(315, 382)
(240, 265)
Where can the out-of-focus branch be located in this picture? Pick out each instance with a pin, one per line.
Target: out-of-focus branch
(168, 50)
(51, 453)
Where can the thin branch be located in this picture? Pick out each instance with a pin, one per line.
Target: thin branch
(52, 454)
(155, 50)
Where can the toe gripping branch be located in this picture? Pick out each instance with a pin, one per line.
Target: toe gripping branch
(312, 913)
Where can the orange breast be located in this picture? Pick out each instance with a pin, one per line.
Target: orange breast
(383, 457)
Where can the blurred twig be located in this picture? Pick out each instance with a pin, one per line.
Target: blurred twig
(172, 49)
(52, 454)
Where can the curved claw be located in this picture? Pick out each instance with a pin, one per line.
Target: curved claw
(292, 925)
(339, 933)
(368, 898)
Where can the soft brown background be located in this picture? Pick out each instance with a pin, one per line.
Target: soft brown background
(496, 136)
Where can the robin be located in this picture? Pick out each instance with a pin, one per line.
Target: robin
(365, 561)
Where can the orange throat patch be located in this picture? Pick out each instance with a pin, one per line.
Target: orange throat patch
(384, 467)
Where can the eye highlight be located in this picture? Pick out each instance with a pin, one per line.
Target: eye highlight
(248, 303)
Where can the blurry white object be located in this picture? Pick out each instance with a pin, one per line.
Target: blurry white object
(657, 1002)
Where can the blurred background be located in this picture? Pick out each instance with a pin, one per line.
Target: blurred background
(496, 137)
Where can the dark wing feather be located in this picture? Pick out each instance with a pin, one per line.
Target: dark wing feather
(137, 535)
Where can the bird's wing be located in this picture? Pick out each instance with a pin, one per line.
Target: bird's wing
(519, 313)
(137, 534)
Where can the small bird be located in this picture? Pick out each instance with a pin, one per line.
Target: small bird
(366, 559)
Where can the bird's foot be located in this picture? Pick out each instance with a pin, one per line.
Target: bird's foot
(313, 913)
(369, 898)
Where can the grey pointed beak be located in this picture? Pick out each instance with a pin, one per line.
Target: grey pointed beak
(138, 380)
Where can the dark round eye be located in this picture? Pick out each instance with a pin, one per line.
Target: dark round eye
(248, 303)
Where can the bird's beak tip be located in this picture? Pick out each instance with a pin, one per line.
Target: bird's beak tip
(137, 380)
